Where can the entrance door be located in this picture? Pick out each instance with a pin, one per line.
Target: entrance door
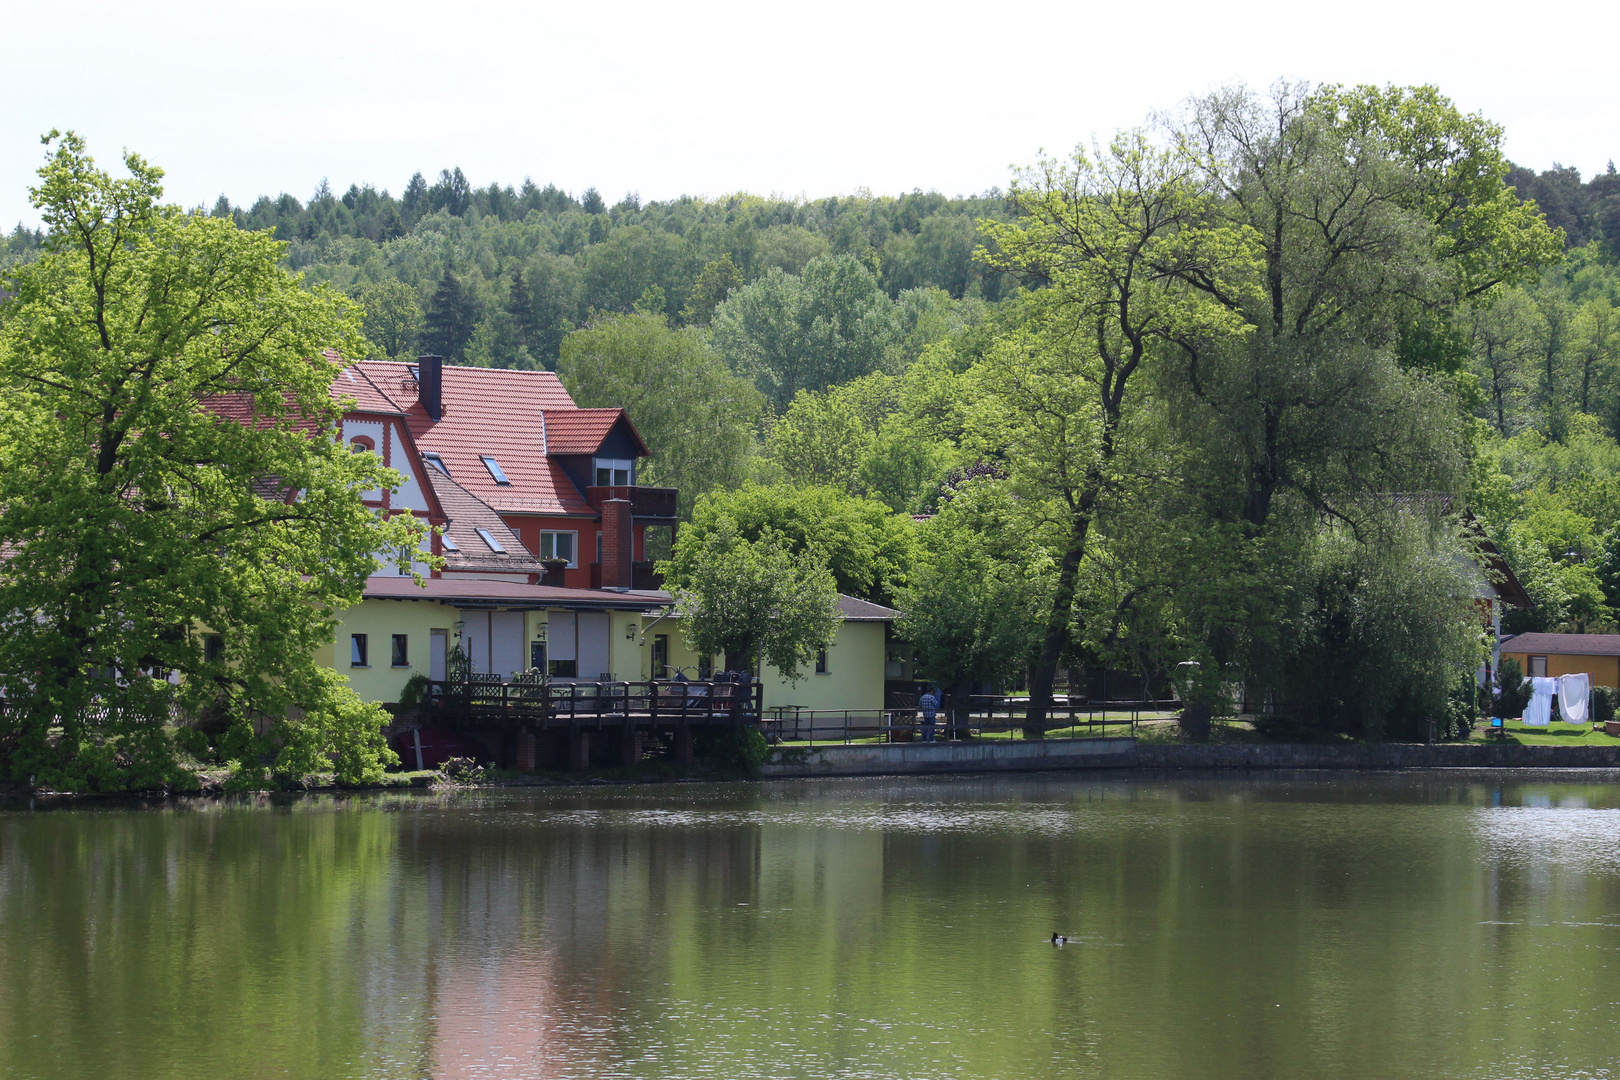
(438, 652)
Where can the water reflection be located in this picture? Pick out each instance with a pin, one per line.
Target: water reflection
(1283, 927)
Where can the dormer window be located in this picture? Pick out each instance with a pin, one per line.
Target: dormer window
(615, 472)
(432, 458)
(494, 469)
(487, 537)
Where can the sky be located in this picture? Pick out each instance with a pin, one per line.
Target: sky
(715, 96)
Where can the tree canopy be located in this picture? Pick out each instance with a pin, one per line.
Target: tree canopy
(170, 476)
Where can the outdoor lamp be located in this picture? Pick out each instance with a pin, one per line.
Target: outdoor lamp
(630, 632)
(460, 626)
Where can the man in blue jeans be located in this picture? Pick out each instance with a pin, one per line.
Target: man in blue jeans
(929, 704)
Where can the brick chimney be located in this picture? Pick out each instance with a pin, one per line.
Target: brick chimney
(617, 537)
(430, 385)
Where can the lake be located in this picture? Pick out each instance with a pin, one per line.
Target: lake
(1392, 925)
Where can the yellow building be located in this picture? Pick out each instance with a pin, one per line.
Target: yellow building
(848, 676)
(1598, 655)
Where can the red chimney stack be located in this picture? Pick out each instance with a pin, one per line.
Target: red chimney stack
(618, 538)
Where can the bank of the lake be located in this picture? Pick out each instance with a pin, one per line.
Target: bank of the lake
(901, 759)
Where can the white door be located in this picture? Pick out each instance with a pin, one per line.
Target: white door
(438, 650)
(595, 657)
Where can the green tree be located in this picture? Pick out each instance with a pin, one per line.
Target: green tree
(753, 600)
(716, 282)
(697, 417)
(452, 317)
(868, 549)
(393, 318)
(829, 325)
(1117, 240)
(972, 614)
(169, 466)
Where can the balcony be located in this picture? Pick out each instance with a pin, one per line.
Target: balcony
(643, 577)
(645, 502)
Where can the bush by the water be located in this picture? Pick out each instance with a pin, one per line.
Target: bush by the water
(739, 750)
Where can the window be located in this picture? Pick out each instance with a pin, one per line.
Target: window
(1538, 667)
(821, 661)
(213, 648)
(494, 544)
(360, 444)
(432, 458)
(598, 547)
(563, 669)
(660, 656)
(494, 469)
(357, 651)
(402, 650)
(558, 545)
(446, 540)
(614, 472)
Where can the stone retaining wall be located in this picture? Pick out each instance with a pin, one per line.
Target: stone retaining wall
(1374, 756)
(870, 759)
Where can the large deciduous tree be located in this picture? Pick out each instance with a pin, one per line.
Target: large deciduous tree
(1115, 239)
(169, 470)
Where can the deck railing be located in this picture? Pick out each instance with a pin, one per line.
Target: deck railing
(983, 715)
(531, 701)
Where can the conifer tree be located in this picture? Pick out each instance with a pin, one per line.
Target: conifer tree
(452, 317)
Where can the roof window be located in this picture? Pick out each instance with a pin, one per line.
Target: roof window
(494, 469)
(447, 541)
(488, 538)
(432, 458)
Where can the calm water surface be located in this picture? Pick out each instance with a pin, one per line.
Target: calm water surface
(1395, 926)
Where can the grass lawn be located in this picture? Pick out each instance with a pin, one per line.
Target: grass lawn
(1552, 735)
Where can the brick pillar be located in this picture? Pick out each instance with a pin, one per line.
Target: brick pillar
(525, 751)
(630, 745)
(579, 750)
(683, 745)
(618, 536)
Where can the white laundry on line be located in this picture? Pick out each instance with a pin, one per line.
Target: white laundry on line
(1575, 697)
(1538, 713)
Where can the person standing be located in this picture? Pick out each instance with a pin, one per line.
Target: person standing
(929, 705)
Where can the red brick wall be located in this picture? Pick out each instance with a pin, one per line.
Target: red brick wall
(618, 538)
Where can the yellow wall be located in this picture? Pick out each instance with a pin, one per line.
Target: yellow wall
(379, 620)
(853, 680)
(1604, 670)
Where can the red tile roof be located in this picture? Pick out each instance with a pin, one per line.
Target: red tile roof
(494, 411)
(581, 431)
(354, 382)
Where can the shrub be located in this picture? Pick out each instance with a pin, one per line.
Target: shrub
(1603, 698)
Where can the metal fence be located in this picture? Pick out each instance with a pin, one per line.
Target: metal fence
(985, 715)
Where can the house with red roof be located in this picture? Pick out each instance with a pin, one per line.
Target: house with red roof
(534, 510)
(541, 526)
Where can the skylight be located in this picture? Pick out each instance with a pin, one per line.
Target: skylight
(494, 544)
(432, 458)
(494, 469)
(447, 541)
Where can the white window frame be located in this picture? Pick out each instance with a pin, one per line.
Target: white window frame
(489, 540)
(573, 543)
(612, 465)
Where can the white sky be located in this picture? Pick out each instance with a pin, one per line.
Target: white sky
(714, 96)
